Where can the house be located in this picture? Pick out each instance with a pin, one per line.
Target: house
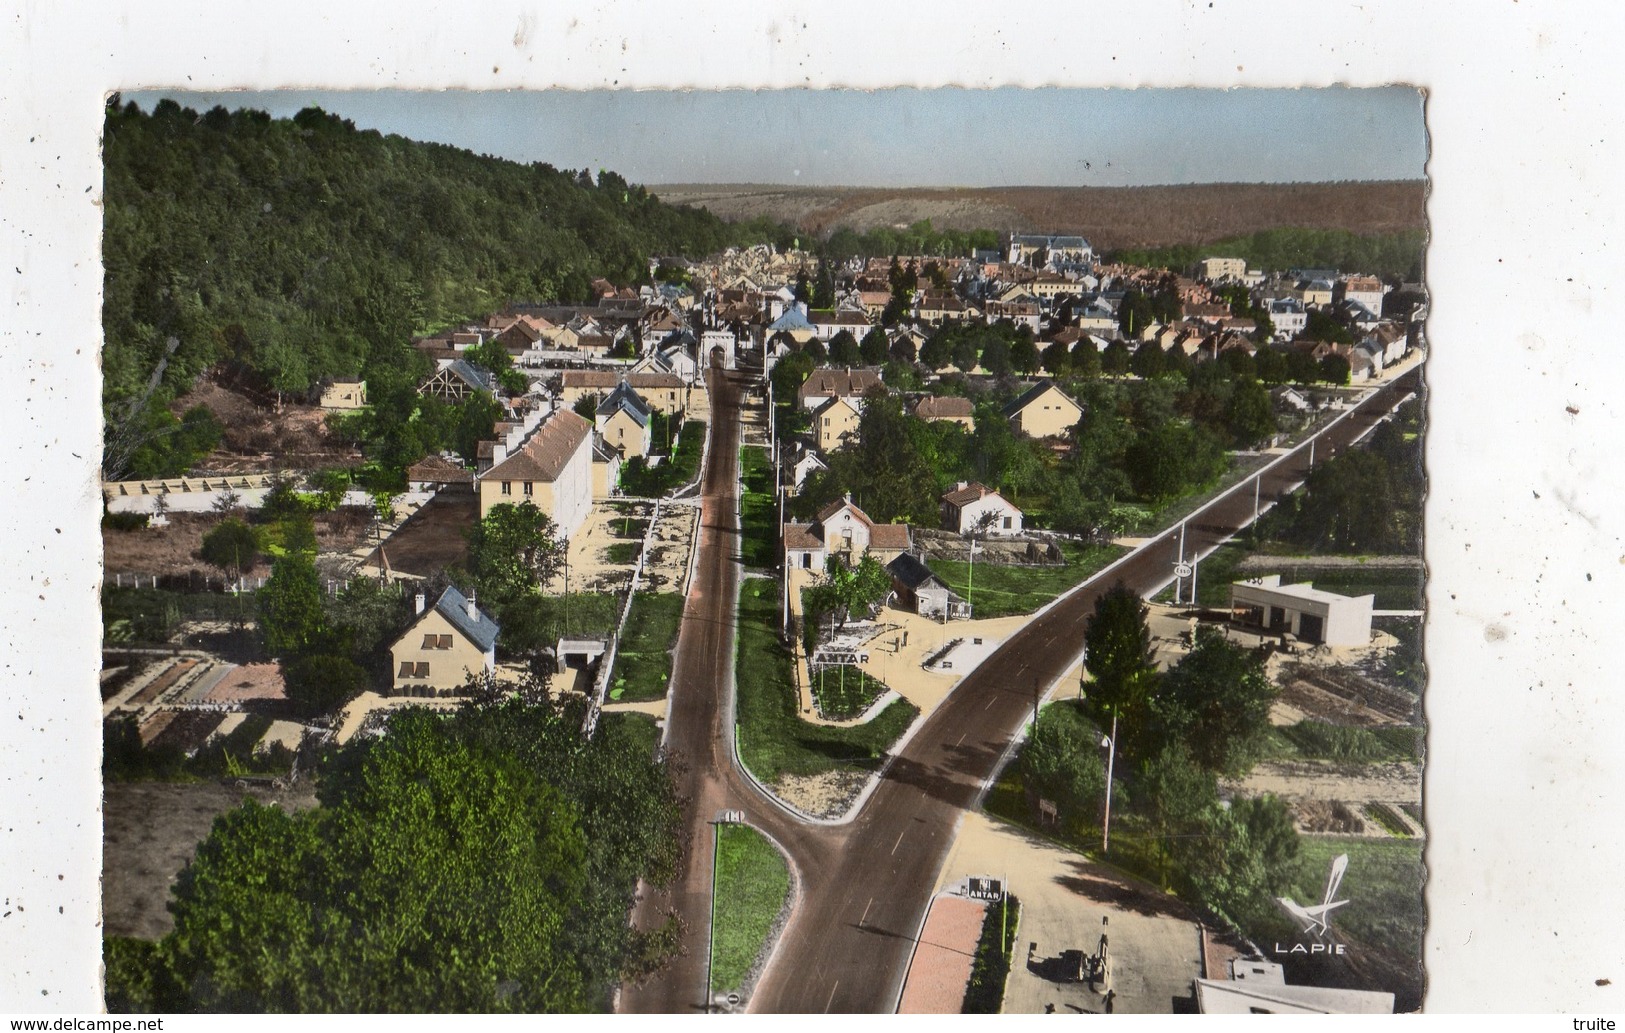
(947, 409)
(344, 395)
(806, 464)
(1044, 411)
(1287, 398)
(795, 323)
(829, 322)
(850, 384)
(663, 392)
(973, 507)
(1303, 611)
(456, 380)
(443, 646)
(833, 423)
(606, 469)
(437, 473)
(551, 468)
(1288, 317)
(1313, 292)
(622, 419)
(842, 529)
(1367, 290)
(917, 590)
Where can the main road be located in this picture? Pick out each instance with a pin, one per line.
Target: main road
(863, 886)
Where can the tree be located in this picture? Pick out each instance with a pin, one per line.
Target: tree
(586, 407)
(1250, 416)
(439, 875)
(844, 350)
(874, 348)
(1334, 369)
(231, 546)
(513, 551)
(291, 620)
(320, 684)
(1148, 360)
(1061, 762)
(1321, 325)
(1114, 360)
(1119, 659)
(367, 615)
(1024, 354)
(1058, 359)
(855, 589)
(1217, 702)
(1170, 458)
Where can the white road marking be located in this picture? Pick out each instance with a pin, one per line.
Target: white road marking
(831, 995)
(866, 908)
(899, 842)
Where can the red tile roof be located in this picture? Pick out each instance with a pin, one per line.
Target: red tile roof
(544, 454)
(945, 407)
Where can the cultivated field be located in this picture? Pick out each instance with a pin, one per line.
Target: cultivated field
(1110, 217)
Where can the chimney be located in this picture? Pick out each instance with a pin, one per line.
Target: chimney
(473, 610)
(421, 601)
(499, 452)
(962, 485)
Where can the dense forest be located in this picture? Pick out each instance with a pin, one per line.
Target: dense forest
(1397, 255)
(291, 250)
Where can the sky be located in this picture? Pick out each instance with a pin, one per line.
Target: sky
(905, 137)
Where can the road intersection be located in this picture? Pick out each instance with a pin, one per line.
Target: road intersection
(863, 885)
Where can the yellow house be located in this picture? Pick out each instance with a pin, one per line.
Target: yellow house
(833, 422)
(606, 470)
(551, 469)
(1043, 412)
(622, 420)
(345, 394)
(446, 644)
(662, 392)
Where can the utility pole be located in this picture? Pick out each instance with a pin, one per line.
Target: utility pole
(1258, 486)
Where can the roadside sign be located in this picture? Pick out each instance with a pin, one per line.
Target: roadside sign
(1183, 570)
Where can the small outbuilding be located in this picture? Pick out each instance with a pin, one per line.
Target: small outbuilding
(1303, 611)
(920, 591)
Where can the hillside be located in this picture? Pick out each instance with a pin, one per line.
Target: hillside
(289, 250)
(1111, 217)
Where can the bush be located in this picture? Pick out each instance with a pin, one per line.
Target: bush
(125, 521)
(231, 546)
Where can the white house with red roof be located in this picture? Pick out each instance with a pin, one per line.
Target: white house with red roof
(974, 507)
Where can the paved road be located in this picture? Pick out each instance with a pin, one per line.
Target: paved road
(864, 886)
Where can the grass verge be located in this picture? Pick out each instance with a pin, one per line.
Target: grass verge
(643, 662)
(984, 994)
(996, 591)
(752, 881)
(841, 693)
(757, 513)
(773, 739)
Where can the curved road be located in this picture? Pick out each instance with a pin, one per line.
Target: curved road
(864, 886)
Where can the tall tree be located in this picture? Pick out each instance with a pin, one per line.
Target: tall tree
(291, 620)
(1217, 702)
(513, 551)
(1119, 659)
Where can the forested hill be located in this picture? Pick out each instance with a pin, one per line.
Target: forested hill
(306, 248)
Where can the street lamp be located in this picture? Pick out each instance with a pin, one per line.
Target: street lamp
(1110, 743)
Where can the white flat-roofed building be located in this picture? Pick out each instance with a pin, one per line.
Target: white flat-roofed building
(1303, 611)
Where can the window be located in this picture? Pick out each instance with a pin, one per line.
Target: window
(407, 667)
(429, 641)
(423, 669)
(445, 642)
(507, 487)
(528, 487)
